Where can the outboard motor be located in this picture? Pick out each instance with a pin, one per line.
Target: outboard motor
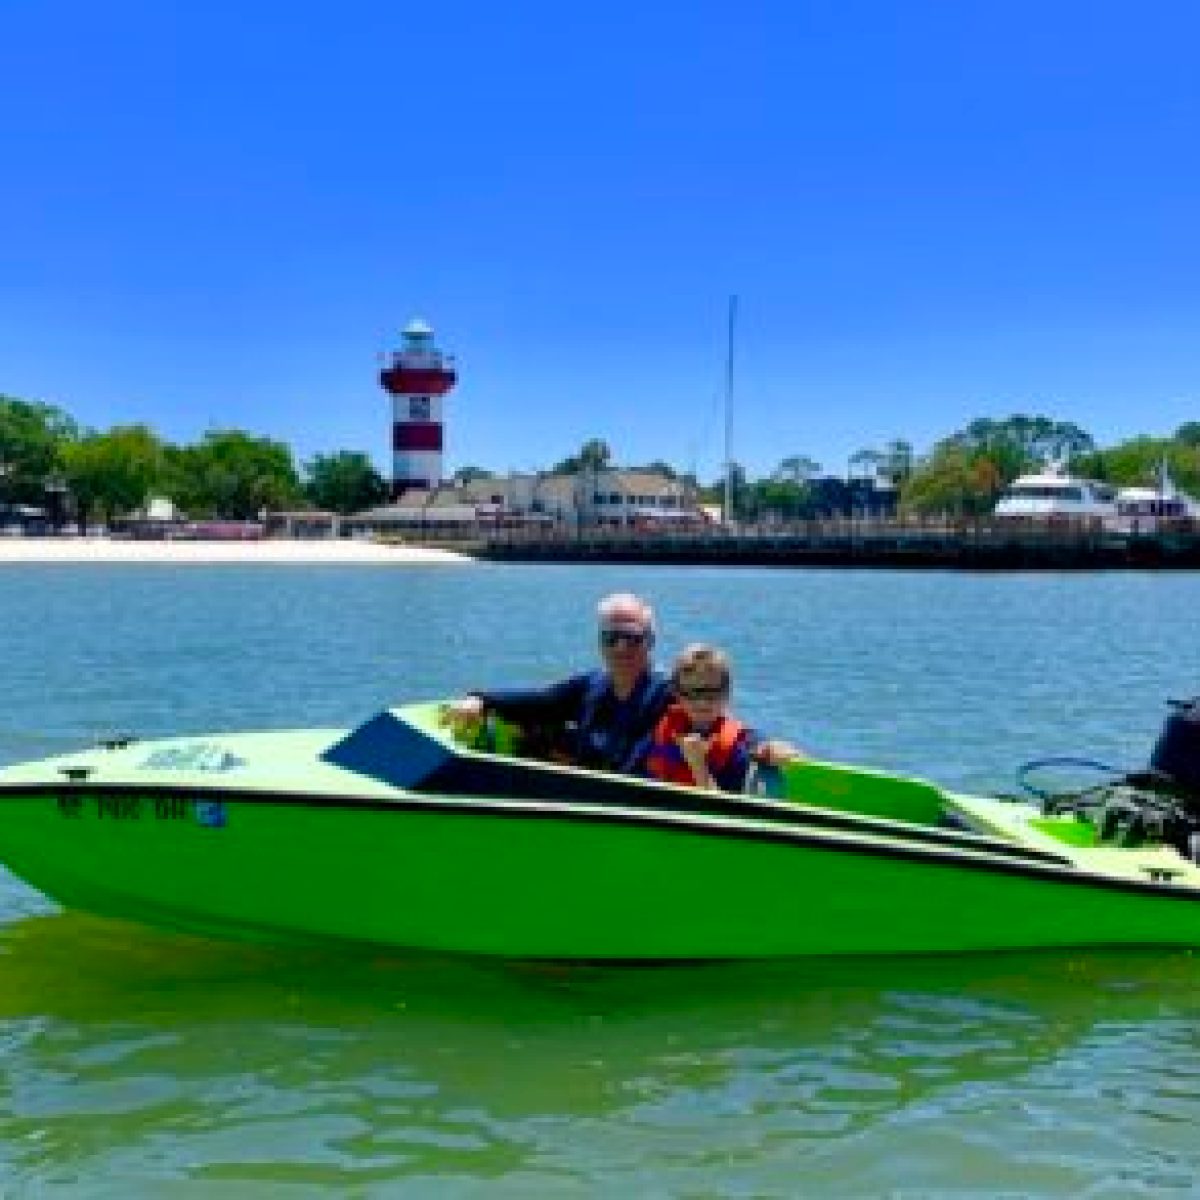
(1160, 804)
(1175, 763)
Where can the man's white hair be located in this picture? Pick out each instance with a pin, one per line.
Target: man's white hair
(624, 608)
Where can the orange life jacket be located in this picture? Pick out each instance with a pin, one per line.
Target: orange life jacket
(665, 760)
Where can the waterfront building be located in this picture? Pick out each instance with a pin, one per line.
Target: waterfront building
(23, 519)
(646, 499)
(607, 498)
(590, 499)
(304, 523)
(864, 497)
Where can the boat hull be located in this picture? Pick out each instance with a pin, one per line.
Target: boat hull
(537, 880)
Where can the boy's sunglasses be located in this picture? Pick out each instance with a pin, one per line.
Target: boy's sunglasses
(614, 637)
(700, 693)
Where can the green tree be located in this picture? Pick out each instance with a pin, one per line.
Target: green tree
(659, 467)
(234, 475)
(894, 462)
(796, 469)
(113, 472)
(1021, 442)
(1189, 433)
(471, 475)
(780, 499)
(344, 482)
(866, 460)
(594, 455)
(966, 472)
(1138, 461)
(32, 437)
(953, 481)
(897, 461)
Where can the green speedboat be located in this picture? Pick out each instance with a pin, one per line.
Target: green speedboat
(394, 835)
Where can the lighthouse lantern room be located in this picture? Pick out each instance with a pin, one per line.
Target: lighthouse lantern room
(417, 378)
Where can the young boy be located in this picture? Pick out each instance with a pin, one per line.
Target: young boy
(697, 742)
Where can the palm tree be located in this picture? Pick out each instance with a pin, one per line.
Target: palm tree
(868, 460)
(897, 461)
(797, 469)
(595, 455)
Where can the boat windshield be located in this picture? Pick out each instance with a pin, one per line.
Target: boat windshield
(1041, 491)
(1152, 508)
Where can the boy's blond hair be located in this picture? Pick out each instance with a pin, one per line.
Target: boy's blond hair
(700, 654)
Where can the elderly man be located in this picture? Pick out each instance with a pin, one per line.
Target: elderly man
(608, 715)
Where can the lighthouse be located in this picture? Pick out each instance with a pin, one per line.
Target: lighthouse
(417, 378)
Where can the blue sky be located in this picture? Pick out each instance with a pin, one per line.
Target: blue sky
(929, 211)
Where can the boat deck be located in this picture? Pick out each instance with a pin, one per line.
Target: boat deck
(1025, 824)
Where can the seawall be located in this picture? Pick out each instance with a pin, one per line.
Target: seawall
(974, 547)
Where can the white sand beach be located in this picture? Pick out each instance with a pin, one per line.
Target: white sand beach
(270, 552)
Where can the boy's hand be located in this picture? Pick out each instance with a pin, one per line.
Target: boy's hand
(694, 749)
(776, 753)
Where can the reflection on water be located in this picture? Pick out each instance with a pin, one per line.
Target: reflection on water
(130, 1053)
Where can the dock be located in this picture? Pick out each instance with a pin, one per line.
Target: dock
(985, 545)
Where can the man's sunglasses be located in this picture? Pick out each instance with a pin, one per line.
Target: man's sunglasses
(615, 637)
(700, 693)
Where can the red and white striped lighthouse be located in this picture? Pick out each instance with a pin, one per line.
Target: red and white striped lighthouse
(417, 378)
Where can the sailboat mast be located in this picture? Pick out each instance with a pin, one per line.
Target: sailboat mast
(729, 411)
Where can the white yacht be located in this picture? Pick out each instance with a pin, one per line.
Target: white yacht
(1053, 493)
(1140, 509)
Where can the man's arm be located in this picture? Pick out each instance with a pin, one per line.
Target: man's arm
(559, 702)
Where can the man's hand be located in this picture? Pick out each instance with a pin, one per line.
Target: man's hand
(463, 716)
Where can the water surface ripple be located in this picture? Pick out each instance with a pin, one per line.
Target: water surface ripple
(138, 1063)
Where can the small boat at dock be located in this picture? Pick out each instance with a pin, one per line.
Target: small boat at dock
(1148, 509)
(393, 834)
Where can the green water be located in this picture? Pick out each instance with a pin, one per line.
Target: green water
(135, 1063)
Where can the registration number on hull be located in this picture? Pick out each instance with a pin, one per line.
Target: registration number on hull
(211, 814)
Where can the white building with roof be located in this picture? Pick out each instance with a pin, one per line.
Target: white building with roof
(607, 498)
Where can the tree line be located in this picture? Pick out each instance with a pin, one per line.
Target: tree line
(233, 474)
(965, 474)
(962, 475)
(228, 474)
